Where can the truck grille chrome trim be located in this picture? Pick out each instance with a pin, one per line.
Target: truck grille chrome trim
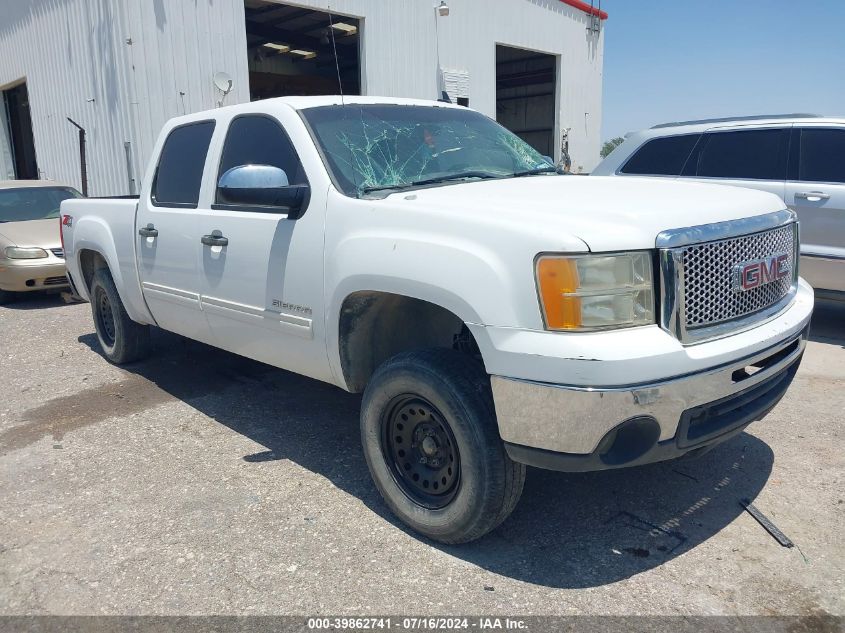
(699, 297)
(709, 295)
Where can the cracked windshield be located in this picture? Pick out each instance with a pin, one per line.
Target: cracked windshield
(372, 148)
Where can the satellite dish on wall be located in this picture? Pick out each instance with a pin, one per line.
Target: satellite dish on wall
(223, 81)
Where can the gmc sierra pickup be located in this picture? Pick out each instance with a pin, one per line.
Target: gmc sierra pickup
(493, 312)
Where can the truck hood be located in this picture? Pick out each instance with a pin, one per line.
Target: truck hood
(41, 233)
(606, 213)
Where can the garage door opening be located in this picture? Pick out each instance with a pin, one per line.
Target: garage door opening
(290, 51)
(526, 97)
(17, 137)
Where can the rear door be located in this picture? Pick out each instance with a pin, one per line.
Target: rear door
(262, 291)
(752, 157)
(816, 191)
(167, 232)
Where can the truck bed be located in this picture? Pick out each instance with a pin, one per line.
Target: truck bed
(107, 226)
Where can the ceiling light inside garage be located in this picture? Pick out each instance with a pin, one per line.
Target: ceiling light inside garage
(304, 54)
(347, 29)
(282, 48)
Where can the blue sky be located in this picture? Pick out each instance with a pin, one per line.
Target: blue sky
(670, 60)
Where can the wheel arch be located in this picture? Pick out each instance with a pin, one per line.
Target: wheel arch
(371, 326)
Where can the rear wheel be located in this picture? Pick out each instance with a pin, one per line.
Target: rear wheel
(432, 445)
(122, 339)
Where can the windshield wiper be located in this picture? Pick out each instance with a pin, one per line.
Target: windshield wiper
(432, 181)
(533, 172)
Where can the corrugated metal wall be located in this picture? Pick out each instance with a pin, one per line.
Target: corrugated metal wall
(69, 53)
(121, 68)
(400, 54)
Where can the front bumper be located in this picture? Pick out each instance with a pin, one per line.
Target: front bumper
(579, 428)
(24, 275)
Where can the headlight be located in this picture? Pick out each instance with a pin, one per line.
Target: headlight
(17, 252)
(591, 292)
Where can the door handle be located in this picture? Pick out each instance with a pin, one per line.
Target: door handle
(148, 231)
(813, 196)
(215, 239)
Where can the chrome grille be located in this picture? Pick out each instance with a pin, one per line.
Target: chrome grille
(58, 252)
(709, 297)
(55, 281)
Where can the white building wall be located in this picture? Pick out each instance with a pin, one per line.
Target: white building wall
(77, 61)
(400, 53)
(68, 53)
(121, 68)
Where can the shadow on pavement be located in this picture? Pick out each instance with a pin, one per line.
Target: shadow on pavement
(569, 530)
(828, 325)
(35, 301)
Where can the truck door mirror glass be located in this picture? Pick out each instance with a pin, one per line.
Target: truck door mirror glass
(262, 186)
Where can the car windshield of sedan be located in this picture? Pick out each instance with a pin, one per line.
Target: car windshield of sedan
(20, 204)
(383, 148)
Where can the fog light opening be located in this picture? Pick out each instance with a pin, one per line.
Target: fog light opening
(629, 441)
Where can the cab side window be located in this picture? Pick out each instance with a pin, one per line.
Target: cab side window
(822, 155)
(260, 140)
(661, 156)
(745, 154)
(179, 172)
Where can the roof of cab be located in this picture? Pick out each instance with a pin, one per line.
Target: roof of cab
(19, 184)
(304, 103)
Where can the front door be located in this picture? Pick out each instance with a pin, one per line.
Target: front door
(817, 194)
(260, 271)
(167, 233)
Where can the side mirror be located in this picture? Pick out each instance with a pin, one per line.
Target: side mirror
(262, 186)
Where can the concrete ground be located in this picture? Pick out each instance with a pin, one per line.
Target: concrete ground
(198, 482)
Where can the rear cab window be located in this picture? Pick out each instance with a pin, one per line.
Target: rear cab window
(664, 156)
(755, 154)
(178, 176)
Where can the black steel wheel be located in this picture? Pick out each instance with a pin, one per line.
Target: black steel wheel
(122, 339)
(105, 316)
(421, 451)
(430, 437)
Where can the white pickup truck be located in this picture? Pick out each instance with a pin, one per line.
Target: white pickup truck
(493, 312)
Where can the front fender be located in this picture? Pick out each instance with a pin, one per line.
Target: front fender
(472, 282)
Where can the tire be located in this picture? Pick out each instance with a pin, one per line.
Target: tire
(449, 419)
(7, 297)
(121, 339)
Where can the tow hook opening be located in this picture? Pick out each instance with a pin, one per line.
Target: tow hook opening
(629, 441)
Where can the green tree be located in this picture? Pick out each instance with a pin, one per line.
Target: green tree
(611, 145)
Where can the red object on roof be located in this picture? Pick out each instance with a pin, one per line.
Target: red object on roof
(586, 8)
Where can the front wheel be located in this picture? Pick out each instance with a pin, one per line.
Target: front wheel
(7, 297)
(122, 339)
(432, 445)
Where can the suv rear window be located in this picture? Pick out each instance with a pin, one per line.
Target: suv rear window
(179, 173)
(746, 154)
(822, 155)
(661, 156)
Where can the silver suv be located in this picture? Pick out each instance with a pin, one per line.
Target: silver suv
(798, 157)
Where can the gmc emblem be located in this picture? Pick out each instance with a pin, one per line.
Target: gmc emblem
(750, 275)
